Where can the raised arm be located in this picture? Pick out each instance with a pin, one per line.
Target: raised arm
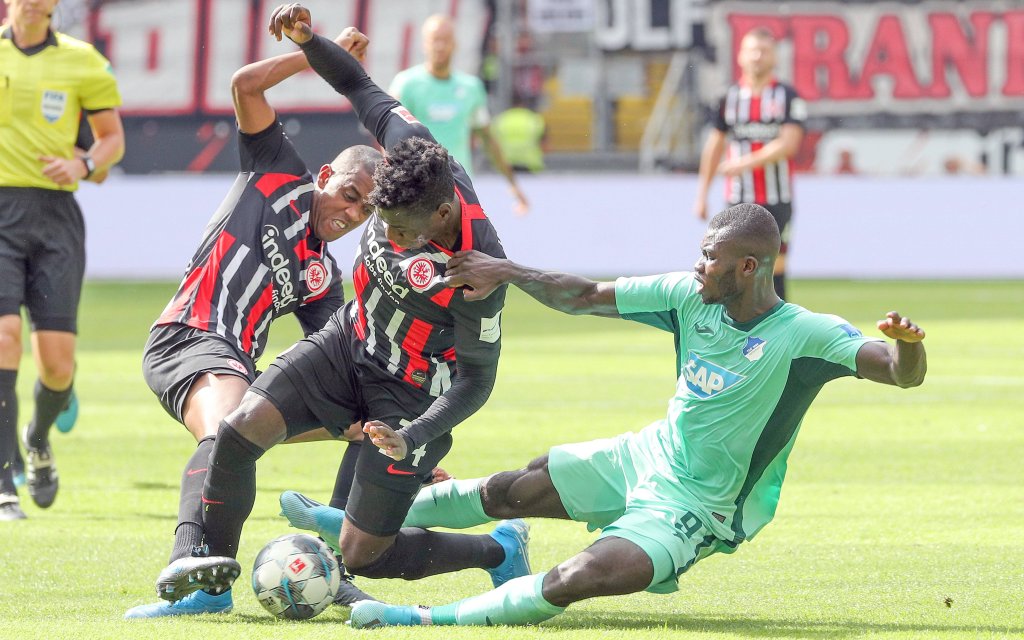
(564, 292)
(250, 83)
(903, 364)
(381, 114)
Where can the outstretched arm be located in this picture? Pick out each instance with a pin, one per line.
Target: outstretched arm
(564, 292)
(903, 364)
(250, 83)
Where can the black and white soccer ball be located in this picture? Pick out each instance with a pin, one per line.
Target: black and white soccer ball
(295, 576)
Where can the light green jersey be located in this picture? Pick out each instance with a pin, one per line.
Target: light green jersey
(741, 394)
(451, 107)
(41, 100)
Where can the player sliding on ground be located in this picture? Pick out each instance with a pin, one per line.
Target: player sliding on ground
(702, 480)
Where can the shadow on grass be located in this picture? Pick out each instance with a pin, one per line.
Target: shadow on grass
(768, 628)
(268, 620)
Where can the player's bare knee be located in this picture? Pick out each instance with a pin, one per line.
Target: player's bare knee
(10, 346)
(57, 375)
(359, 556)
(258, 420)
(494, 493)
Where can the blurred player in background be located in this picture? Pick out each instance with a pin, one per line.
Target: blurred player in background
(452, 104)
(762, 122)
(264, 255)
(702, 480)
(47, 80)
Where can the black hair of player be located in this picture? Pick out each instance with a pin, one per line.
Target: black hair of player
(415, 177)
(750, 228)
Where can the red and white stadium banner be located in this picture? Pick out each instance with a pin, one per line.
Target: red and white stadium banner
(174, 58)
(851, 58)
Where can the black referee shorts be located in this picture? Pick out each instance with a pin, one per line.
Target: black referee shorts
(42, 256)
(176, 354)
(319, 383)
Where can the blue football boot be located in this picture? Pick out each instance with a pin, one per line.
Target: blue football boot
(66, 419)
(514, 538)
(310, 515)
(196, 603)
(371, 615)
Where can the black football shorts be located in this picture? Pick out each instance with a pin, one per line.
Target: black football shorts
(42, 256)
(318, 382)
(176, 354)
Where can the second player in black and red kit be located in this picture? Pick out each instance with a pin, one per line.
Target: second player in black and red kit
(409, 355)
(263, 255)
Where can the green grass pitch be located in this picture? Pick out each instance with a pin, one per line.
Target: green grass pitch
(902, 516)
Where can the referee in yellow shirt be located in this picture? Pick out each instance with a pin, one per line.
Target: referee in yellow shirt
(47, 80)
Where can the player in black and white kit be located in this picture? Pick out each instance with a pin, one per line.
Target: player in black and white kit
(408, 354)
(263, 255)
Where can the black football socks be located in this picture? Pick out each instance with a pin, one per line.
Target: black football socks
(189, 532)
(230, 490)
(8, 428)
(48, 405)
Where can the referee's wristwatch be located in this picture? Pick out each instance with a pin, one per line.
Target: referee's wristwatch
(90, 166)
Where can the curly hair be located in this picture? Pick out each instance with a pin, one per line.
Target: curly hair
(415, 177)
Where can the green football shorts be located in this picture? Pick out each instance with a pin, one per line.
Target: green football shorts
(610, 484)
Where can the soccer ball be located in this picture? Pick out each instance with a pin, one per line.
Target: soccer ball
(295, 576)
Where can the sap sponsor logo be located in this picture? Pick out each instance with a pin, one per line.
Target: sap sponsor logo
(284, 289)
(753, 349)
(377, 263)
(705, 379)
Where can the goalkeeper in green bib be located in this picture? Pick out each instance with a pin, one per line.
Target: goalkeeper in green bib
(704, 479)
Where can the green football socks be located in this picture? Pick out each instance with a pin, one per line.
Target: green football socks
(454, 504)
(516, 602)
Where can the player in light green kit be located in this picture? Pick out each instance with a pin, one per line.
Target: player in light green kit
(704, 479)
(452, 104)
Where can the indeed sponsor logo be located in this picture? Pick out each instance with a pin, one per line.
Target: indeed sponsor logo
(378, 265)
(284, 292)
(705, 379)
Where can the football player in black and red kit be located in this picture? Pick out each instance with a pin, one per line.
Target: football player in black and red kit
(264, 255)
(408, 355)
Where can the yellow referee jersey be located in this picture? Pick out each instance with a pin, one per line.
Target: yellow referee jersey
(41, 100)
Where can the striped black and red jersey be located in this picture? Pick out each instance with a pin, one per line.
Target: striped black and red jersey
(752, 120)
(259, 259)
(404, 318)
